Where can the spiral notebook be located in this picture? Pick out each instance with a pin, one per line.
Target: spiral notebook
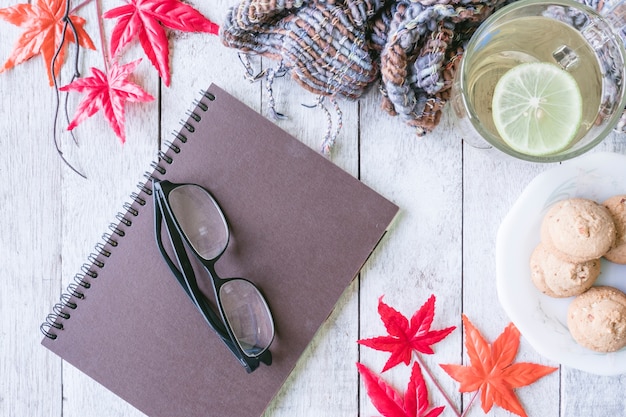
(301, 229)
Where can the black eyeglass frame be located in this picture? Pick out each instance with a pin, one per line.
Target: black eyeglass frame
(187, 277)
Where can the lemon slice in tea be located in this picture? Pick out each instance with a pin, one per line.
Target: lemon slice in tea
(537, 108)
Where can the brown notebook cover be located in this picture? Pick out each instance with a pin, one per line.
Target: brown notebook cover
(301, 229)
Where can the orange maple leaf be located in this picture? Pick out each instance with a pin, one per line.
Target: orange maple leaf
(45, 30)
(492, 370)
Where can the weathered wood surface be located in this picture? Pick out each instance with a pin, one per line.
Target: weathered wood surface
(452, 197)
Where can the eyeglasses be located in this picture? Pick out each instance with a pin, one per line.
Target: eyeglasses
(195, 223)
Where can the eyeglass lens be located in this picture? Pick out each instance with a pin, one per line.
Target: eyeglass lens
(244, 308)
(248, 316)
(200, 219)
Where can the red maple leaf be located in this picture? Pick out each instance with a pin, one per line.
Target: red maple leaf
(404, 336)
(145, 19)
(492, 370)
(44, 33)
(390, 403)
(108, 92)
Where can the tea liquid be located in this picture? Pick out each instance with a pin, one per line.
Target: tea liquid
(533, 39)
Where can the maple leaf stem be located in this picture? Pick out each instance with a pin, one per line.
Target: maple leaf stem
(67, 24)
(469, 406)
(103, 44)
(56, 143)
(418, 358)
(80, 6)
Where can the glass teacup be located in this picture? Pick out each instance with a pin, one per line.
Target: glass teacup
(564, 32)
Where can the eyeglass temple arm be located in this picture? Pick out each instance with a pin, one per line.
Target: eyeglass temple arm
(189, 285)
(187, 280)
(158, 230)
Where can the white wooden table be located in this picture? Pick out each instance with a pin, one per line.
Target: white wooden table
(452, 197)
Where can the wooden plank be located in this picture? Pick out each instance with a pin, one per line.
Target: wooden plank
(604, 396)
(324, 382)
(492, 183)
(422, 253)
(31, 238)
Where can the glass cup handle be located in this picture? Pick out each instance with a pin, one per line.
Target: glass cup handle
(614, 12)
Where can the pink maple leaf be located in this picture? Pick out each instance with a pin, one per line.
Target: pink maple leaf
(404, 336)
(390, 403)
(108, 92)
(144, 19)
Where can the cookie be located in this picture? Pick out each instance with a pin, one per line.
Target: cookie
(616, 205)
(597, 319)
(578, 230)
(558, 278)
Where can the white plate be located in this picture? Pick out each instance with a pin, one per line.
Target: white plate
(542, 320)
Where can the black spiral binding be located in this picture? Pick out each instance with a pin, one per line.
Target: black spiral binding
(97, 260)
